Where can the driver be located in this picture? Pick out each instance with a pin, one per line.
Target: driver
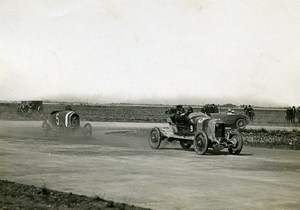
(178, 114)
(182, 116)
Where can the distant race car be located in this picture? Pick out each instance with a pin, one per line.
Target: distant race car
(231, 119)
(201, 131)
(234, 121)
(65, 122)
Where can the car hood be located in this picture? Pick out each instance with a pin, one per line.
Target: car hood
(214, 115)
(198, 115)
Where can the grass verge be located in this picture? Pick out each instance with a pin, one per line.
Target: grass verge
(19, 196)
(276, 139)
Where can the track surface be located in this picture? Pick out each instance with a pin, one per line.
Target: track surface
(117, 164)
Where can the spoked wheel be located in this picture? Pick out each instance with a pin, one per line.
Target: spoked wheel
(154, 138)
(185, 145)
(237, 142)
(200, 143)
(241, 123)
(87, 130)
(46, 128)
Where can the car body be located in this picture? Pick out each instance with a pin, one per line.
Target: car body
(64, 122)
(201, 131)
(234, 121)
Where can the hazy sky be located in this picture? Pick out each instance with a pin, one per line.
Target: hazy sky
(188, 51)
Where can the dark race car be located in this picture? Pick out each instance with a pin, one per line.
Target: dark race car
(199, 130)
(232, 120)
(64, 122)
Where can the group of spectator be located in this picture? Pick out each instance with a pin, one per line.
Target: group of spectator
(249, 111)
(292, 113)
(23, 108)
(210, 108)
(27, 107)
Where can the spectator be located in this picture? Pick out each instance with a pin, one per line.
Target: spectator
(293, 114)
(215, 108)
(251, 113)
(246, 110)
(209, 108)
(30, 107)
(298, 114)
(289, 114)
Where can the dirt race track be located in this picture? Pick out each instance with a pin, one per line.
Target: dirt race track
(117, 164)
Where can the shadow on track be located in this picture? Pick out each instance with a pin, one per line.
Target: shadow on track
(209, 152)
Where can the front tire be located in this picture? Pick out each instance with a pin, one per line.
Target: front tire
(201, 143)
(154, 138)
(240, 124)
(236, 139)
(185, 145)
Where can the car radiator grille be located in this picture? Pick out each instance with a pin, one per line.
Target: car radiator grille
(220, 130)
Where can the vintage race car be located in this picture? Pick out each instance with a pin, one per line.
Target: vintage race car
(64, 122)
(234, 121)
(201, 131)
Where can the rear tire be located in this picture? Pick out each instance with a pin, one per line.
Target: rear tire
(236, 138)
(201, 143)
(240, 124)
(154, 138)
(40, 109)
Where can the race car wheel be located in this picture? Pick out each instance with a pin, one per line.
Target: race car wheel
(185, 145)
(46, 128)
(154, 138)
(201, 143)
(87, 130)
(40, 109)
(240, 123)
(236, 139)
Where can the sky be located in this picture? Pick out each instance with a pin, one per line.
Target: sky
(160, 51)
